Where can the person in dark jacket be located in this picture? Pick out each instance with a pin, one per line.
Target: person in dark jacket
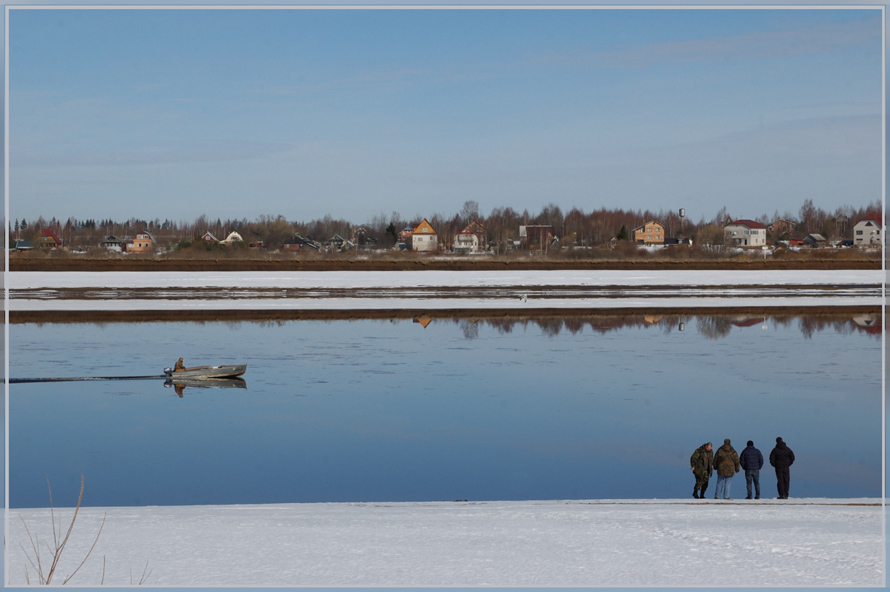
(751, 461)
(726, 461)
(702, 463)
(782, 458)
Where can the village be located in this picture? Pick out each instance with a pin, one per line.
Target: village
(423, 237)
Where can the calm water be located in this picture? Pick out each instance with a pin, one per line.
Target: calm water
(375, 410)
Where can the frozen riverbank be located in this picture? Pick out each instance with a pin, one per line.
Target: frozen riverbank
(798, 542)
(441, 290)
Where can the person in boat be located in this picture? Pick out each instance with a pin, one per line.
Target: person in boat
(179, 365)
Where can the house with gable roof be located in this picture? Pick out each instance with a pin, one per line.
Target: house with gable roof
(868, 230)
(143, 243)
(48, 239)
(471, 239)
(745, 233)
(650, 233)
(424, 238)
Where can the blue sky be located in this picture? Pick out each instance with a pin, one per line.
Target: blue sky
(358, 113)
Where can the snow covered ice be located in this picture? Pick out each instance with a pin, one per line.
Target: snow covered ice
(676, 543)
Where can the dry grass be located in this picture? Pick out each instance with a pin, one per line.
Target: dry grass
(58, 545)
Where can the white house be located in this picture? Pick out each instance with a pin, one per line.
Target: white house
(745, 233)
(868, 230)
(424, 237)
(471, 239)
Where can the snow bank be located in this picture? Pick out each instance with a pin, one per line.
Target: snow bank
(804, 542)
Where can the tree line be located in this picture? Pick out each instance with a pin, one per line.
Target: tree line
(574, 227)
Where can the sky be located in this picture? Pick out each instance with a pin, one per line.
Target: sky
(353, 113)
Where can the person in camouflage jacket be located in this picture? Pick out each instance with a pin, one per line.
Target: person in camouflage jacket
(702, 462)
(726, 461)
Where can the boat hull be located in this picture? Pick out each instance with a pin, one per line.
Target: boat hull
(207, 372)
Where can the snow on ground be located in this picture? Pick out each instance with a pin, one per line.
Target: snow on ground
(680, 543)
(479, 290)
(412, 279)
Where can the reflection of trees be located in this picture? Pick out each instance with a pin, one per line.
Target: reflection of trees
(714, 327)
(470, 328)
(711, 326)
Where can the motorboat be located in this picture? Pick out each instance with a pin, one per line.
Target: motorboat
(204, 372)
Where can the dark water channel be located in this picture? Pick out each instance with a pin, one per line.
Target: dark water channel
(402, 410)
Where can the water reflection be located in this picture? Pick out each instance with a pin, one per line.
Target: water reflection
(180, 384)
(711, 326)
(433, 406)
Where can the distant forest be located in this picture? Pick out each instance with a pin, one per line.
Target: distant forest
(574, 227)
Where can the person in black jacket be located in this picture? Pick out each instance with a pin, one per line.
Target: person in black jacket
(752, 461)
(782, 458)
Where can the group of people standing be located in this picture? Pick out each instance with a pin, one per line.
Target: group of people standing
(727, 462)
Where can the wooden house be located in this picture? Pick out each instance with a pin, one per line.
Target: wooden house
(650, 233)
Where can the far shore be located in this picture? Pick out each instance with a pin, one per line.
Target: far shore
(252, 261)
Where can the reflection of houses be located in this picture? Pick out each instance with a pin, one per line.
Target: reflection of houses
(650, 233)
(424, 237)
(48, 239)
(745, 233)
(749, 321)
(869, 323)
(868, 230)
(537, 236)
(471, 239)
(424, 321)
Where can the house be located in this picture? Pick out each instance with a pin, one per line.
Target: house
(745, 233)
(143, 243)
(298, 242)
(538, 236)
(338, 243)
(48, 239)
(233, 237)
(406, 234)
(362, 239)
(814, 240)
(208, 236)
(650, 233)
(113, 243)
(24, 245)
(471, 239)
(868, 230)
(782, 229)
(424, 238)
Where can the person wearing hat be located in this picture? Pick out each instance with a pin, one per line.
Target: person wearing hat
(751, 461)
(702, 463)
(782, 458)
(726, 461)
